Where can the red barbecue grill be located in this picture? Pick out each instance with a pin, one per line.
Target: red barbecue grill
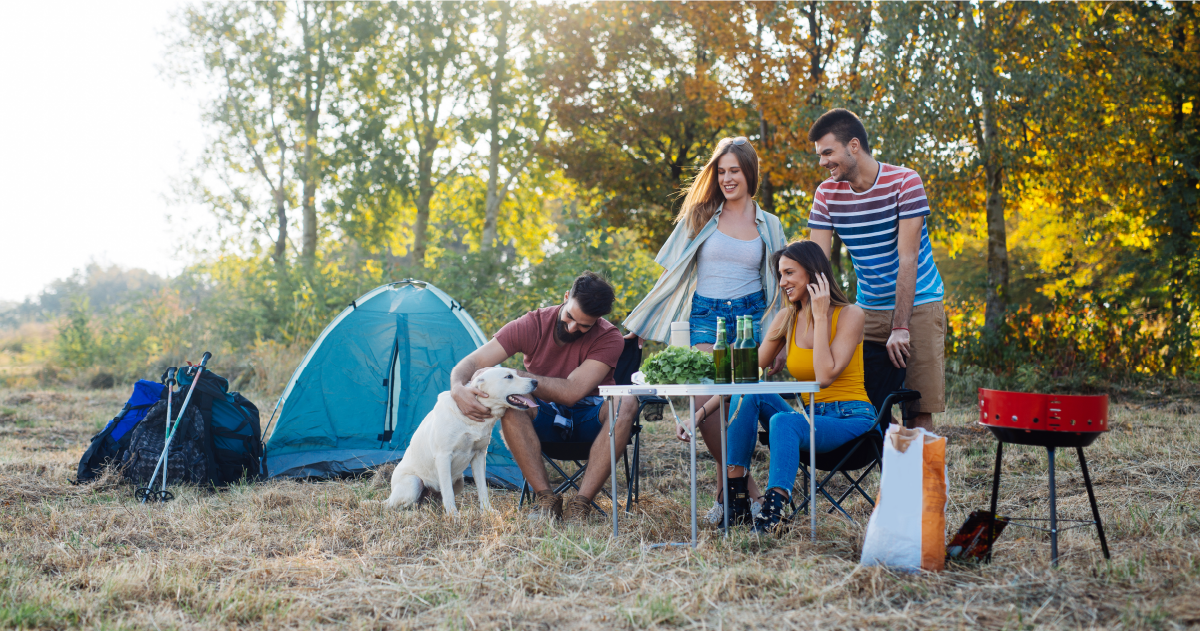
(1049, 421)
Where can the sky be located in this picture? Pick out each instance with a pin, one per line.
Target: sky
(92, 136)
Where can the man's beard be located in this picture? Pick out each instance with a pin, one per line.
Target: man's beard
(848, 172)
(563, 336)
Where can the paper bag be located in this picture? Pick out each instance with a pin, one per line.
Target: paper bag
(907, 529)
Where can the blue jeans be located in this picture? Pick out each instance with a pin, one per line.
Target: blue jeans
(836, 422)
(702, 321)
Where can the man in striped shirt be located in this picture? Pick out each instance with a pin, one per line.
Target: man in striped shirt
(879, 212)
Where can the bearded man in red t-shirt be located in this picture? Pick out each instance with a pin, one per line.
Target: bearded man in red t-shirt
(569, 349)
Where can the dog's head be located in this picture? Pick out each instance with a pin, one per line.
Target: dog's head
(505, 388)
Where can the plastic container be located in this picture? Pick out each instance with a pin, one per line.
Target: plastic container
(680, 335)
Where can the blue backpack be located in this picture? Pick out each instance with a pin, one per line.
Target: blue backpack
(111, 443)
(235, 440)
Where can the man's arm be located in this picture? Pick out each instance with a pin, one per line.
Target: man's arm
(824, 238)
(909, 236)
(579, 384)
(486, 356)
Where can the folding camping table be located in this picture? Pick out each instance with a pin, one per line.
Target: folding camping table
(692, 391)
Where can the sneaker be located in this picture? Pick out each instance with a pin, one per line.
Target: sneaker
(773, 519)
(715, 514)
(579, 509)
(547, 505)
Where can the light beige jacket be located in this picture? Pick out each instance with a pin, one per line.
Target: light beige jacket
(671, 298)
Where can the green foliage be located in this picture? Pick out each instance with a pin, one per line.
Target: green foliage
(76, 345)
(676, 364)
(1076, 345)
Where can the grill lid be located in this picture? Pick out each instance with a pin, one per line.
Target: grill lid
(1044, 412)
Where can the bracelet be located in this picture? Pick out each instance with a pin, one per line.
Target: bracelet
(704, 418)
(899, 328)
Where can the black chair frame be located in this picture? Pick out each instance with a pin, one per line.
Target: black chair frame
(554, 453)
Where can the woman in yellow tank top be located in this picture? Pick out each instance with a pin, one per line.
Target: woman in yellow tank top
(824, 336)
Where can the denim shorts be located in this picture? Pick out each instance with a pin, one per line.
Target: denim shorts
(579, 423)
(702, 322)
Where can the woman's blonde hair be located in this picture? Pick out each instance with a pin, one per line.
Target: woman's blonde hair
(812, 259)
(703, 195)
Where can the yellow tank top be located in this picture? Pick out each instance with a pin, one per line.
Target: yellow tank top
(847, 387)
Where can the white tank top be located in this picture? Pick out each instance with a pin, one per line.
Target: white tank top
(728, 267)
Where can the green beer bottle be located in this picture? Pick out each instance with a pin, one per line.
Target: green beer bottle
(735, 356)
(721, 355)
(740, 356)
(752, 351)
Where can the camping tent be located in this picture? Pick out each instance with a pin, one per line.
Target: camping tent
(370, 379)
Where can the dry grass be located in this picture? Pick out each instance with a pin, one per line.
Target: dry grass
(315, 555)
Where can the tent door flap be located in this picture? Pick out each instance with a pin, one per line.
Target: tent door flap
(397, 379)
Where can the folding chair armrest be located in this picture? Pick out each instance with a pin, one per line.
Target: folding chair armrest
(894, 398)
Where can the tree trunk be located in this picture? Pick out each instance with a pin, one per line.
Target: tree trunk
(997, 298)
(499, 79)
(314, 83)
(425, 193)
(281, 239)
(308, 245)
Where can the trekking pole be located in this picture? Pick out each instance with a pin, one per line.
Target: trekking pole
(167, 425)
(147, 491)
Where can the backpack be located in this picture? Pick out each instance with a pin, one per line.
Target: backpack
(188, 461)
(111, 443)
(235, 444)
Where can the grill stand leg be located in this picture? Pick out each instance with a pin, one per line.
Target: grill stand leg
(1092, 501)
(1054, 525)
(996, 484)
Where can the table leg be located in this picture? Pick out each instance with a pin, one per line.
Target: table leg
(692, 469)
(725, 464)
(613, 463)
(812, 469)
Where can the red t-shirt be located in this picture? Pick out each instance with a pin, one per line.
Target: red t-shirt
(533, 335)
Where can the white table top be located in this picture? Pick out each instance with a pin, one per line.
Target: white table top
(704, 389)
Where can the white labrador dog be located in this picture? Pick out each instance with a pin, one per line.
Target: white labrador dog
(447, 441)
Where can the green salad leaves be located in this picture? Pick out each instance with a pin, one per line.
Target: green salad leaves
(677, 364)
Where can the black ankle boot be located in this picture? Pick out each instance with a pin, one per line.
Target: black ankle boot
(773, 519)
(740, 500)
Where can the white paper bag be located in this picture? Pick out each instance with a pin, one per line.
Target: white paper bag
(907, 529)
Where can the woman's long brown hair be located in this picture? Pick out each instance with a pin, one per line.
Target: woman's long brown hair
(703, 195)
(812, 259)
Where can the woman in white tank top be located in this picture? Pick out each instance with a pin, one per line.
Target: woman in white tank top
(717, 263)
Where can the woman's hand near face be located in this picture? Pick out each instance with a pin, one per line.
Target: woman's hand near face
(819, 297)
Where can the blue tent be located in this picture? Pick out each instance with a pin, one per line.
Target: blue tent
(370, 379)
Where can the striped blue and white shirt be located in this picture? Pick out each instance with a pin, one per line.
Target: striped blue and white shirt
(868, 222)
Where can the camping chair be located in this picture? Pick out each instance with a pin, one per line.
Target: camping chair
(884, 385)
(554, 453)
(860, 455)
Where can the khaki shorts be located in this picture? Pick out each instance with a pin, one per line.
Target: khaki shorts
(927, 339)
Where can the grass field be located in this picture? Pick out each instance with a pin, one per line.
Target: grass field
(286, 554)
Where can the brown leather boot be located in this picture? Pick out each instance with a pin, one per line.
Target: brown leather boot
(547, 505)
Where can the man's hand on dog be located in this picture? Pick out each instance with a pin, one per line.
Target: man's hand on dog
(465, 398)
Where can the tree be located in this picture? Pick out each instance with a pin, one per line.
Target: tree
(517, 116)
(271, 70)
(635, 98)
(963, 88)
(408, 83)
